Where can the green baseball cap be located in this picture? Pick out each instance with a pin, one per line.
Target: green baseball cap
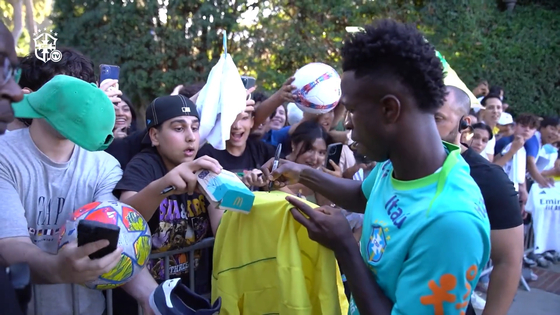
(78, 110)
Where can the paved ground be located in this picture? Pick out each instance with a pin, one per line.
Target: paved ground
(536, 302)
(544, 297)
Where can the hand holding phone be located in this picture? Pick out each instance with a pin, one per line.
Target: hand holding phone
(73, 263)
(248, 82)
(109, 82)
(92, 231)
(111, 72)
(334, 151)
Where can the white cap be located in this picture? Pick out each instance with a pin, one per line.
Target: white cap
(505, 119)
(295, 114)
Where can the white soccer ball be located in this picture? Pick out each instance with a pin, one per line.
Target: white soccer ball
(318, 88)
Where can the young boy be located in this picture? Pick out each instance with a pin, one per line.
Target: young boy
(159, 182)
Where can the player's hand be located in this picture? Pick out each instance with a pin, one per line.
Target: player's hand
(254, 178)
(287, 172)
(75, 266)
(337, 172)
(182, 177)
(109, 86)
(325, 225)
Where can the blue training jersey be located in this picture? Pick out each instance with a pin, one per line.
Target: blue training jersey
(426, 240)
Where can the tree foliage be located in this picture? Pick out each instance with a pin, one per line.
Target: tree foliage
(517, 51)
(162, 43)
(157, 44)
(41, 11)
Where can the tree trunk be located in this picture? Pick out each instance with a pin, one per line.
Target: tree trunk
(18, 19)
(46, 21)
(30, 23)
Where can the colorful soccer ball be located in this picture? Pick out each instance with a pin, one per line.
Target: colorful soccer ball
(318, 88)
(134, 237)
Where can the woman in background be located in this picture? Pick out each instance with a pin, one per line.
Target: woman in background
(481, 134)
(277, 119)
(125, 118)
(309, 147)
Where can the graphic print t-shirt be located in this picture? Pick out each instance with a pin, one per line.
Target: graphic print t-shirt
(179, 222)
(544, 205)
(39, 195)
(427, 239)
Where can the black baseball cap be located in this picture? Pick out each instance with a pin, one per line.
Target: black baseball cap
(167, 107)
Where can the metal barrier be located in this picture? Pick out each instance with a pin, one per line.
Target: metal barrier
(529, 244)
(208, 243)
(204, 244)
(529, 247)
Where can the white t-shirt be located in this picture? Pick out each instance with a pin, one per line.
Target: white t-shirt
(516, 167)
(489, 148)
(544, 204)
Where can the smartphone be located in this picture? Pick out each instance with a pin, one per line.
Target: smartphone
(333, 153)
(248, 82)
(108, 72)
(92, 231)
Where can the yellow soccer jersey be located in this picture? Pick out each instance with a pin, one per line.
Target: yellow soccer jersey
(265, 263)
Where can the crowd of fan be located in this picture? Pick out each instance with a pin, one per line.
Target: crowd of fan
(39, 162)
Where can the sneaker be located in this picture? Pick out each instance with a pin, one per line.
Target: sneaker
(529, 275)
(529, 262)
(533, 276)
(174, 298)
(543, 262)
(477, 302)
(552, 256)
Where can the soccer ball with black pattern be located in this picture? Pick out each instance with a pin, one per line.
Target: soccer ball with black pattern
(134, 237)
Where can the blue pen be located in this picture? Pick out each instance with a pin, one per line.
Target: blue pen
(275, 164)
